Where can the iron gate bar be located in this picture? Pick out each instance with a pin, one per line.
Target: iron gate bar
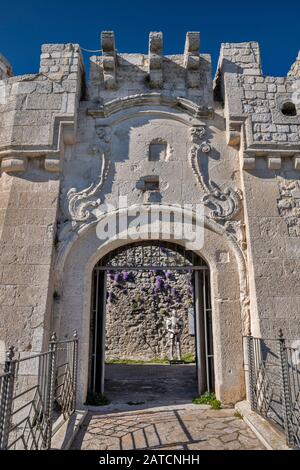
(275, 386)
(151, 268)
(184, 258)
(26, 422)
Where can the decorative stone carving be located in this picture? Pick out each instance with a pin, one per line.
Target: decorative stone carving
(196, 134)
(289, 205)
(225, 203)
(205, 147)
(237, 228)
(78, 205)
(81, 203)
(146, 99)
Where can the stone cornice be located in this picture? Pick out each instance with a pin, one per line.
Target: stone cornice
(147, 99)
(63, 133)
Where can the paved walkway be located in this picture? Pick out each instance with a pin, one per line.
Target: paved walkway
(151, 409)
(180, 427)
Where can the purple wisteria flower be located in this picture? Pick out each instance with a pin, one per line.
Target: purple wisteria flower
(118, 278)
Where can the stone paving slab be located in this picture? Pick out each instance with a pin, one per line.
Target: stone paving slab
(182, 427)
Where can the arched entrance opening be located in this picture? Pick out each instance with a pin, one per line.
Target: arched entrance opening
(135, 289)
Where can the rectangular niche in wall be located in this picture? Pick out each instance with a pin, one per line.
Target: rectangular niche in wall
(157, 151)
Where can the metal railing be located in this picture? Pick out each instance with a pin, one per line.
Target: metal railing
(274, 384)
(35, 391)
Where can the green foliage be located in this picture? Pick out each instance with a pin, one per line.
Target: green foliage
(237, 414)
(208, 399)
(189, 359)
(137, 361)
(96, 399)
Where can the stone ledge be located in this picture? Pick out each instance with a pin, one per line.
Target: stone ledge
(65, 433)
(264, 431)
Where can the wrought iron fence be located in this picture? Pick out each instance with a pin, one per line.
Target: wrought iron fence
(274, 384)
(36, 390)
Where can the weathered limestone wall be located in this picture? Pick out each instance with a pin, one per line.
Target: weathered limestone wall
(263, 117)
(38, 113)
(136, 317)
(138, 305)
(150, 127)
(28, 224)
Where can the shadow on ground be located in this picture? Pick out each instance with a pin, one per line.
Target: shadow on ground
(162, 417)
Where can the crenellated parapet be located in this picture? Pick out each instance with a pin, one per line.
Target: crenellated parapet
(115, 75)
(262, 113)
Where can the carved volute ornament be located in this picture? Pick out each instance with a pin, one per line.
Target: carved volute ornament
(224, 208)
(77, 205)
(225, 203)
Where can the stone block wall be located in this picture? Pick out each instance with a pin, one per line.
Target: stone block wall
(65, 149)
(139, 302)
(136, 314)
(263, 122)
(37, 124)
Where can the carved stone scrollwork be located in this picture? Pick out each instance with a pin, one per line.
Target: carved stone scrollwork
(77, 205)
(196, 134)
(81, 203)
(237, 228)
(205, 147)
(225, 203)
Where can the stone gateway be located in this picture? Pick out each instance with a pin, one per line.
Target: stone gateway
(161, 132)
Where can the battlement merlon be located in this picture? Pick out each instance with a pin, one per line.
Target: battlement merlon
(39, 111)
(295, 69)
(264, 111)
(5, 68)
(235, 59)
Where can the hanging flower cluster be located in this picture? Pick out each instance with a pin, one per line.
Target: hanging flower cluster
(127, 276)
(118, 278)
(169, 275)
(159, 284)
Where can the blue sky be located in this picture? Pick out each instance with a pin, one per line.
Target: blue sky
(25, 25)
